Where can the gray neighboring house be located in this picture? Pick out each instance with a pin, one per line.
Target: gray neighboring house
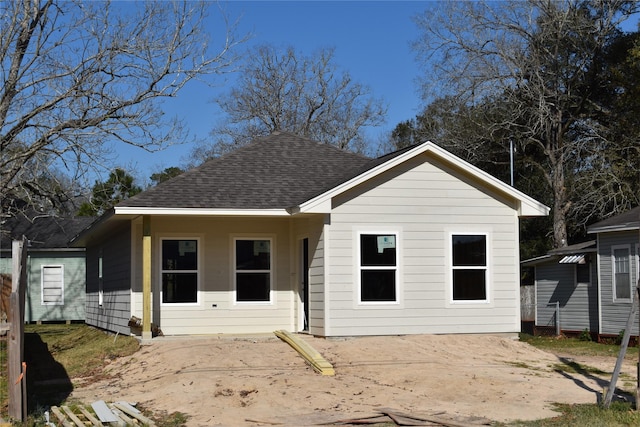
(592, 283)
(56, 272)
(618, 269)
(566, 290)
(289, 233)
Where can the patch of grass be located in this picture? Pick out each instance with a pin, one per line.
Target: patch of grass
(561, 345)
(618, 414)
(578, 368)
(79, 348)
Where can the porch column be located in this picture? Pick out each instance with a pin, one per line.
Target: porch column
(146, 277)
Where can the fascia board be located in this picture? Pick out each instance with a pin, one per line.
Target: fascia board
(625, 227)
(527, 206)
(132, 210)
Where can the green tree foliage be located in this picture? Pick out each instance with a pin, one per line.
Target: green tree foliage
(105, 195)
(166, 174)
(541, 75)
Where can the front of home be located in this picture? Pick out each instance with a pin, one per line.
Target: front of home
(288, 233)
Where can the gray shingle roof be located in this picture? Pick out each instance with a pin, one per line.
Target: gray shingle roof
(626, 220)
(43, 232)
(278, 171)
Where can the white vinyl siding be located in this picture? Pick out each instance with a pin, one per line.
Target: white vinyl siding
(52, 285)
(428, 202)
(217, 310)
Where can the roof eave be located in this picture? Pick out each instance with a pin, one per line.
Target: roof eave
(621, 227)
(134, 210)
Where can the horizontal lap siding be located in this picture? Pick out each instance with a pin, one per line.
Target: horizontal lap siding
(424, 202)
(614, 315)
(74, 282)
(556, 283)
(216, 311)
(115, 312)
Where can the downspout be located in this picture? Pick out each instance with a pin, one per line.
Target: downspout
(146, 277)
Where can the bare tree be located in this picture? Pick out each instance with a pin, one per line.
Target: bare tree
(538, 58)
(281, 90)
(80, 78)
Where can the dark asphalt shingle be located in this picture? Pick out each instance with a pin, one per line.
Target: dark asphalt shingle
(279, 171)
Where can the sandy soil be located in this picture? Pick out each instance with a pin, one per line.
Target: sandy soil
(262, 380)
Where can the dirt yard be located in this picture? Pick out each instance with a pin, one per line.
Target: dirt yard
(263, 381)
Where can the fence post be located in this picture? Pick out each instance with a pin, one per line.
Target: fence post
(17, 368)
(557, 318)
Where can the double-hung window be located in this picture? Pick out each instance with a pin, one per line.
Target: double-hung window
(52, 285)
(179, 271)
(378, 267)
(620, 262)
(253, 271)
(469, 268)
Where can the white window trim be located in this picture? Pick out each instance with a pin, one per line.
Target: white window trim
(487, 267)
(272, 275)
(359, 268)
(613, 273)
(42, 268)
(198, 239)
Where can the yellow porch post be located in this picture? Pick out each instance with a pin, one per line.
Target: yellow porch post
(146, 277)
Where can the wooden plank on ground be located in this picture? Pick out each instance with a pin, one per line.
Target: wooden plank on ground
(74, 418)
(121, 415)
(134, 412)
(92, 419)
(61, 416)
(311, 355)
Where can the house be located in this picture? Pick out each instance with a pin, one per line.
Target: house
(590, 286)
(566, 290)
(288, 233)
(56, 273)
(618, 270)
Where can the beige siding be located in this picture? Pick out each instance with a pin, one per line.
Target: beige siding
(216, 311)
(423, 202)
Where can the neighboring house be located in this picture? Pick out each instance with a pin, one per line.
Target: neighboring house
(56, 274)
(288, 233)
(618, 269)
(566, 290)
(590, 286)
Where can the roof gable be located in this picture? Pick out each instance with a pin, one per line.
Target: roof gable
(527, 206)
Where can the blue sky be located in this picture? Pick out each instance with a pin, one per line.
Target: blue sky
(371, 40)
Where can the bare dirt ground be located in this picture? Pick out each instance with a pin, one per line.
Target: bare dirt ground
(263, 381)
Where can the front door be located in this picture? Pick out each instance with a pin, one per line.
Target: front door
(304, 285)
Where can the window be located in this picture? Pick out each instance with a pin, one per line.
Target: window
(378, 268)
(179, 271)
(100, 281)
(621, 274)
(253, 270)
(52, 285)
(469, 267)
(583, 273)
